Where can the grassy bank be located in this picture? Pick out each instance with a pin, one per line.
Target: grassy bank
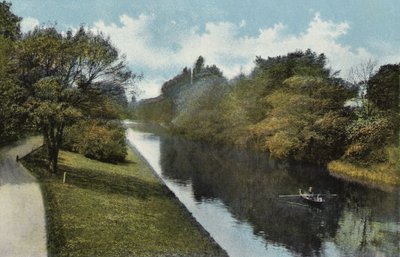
(387, 173)
(114, 210)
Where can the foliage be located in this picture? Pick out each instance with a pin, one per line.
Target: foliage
(9, 22)
(305, 120)
(12, 96)
(383, 88)
(51, 112)
(197, 110)
(61, 73)
(291, 106)
(383, 91)
(154, 110)
(368, 137)
(104, 142)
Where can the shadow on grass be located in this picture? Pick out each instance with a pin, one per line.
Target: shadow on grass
(112, 183)
(100, 181)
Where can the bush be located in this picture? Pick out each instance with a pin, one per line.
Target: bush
(96, 140)
(368, 139)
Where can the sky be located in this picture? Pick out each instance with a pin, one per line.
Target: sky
(160, 37)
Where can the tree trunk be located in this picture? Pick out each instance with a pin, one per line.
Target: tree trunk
(53, 140)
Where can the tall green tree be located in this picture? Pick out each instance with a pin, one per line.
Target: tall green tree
(60, 72)
(12, 95)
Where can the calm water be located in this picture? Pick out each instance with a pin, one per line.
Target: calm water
(234, 195)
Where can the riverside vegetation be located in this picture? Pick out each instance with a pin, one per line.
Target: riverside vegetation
(293, 107)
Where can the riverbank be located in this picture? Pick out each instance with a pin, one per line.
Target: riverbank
(386, 174)
(114, 210)
(379, 175)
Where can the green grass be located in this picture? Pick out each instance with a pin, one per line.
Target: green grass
(114, 210)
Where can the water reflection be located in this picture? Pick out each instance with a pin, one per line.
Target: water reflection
(359, 222)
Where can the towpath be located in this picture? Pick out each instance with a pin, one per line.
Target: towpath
(22, 215)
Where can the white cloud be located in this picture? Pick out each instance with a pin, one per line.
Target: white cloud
(150, 87)
(134, 39)
(223, 44)
(29, 23)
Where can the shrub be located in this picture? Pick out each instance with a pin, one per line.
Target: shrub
(368, 138)
(97, 140)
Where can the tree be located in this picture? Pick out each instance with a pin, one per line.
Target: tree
(306, 121)
(359, 76)
(52, 112)
(59, 71)
(11, 94)
(198, 66)
(383, 92)
(383, 88)
(9, 22)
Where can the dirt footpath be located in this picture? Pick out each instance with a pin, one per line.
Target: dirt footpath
(22, 215)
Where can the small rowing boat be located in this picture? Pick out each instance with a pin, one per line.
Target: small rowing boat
(313, 199)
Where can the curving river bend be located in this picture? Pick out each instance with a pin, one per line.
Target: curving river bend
(233, 194)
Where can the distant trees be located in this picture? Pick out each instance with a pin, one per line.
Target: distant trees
(178, 93)
(292, 106)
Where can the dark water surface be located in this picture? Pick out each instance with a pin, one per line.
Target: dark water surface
(233, 194)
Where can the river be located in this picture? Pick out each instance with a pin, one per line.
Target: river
(234, 195)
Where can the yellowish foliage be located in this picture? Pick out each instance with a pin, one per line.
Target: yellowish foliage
(382, 173)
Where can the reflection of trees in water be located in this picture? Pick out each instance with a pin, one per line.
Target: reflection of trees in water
(362, 235)
(249, 184)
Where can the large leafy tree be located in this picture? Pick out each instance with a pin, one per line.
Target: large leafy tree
(306, 120)
(11, 94)
(61, 73)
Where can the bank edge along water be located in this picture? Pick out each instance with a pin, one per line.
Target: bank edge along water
(234, 236)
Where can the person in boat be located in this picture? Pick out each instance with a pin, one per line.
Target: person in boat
(315, 197)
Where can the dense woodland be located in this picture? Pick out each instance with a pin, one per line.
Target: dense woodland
(293, 107)
(68, 86)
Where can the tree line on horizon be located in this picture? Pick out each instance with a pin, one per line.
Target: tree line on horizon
(293, 107)
(70, 87)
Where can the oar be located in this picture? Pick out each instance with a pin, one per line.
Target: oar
(288, 196)
(328, 195)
